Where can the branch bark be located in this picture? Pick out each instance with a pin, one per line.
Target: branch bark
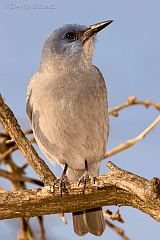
(118, 187)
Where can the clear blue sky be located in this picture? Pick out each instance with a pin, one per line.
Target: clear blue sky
(128, 54)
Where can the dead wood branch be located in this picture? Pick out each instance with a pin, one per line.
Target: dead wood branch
(16, 177)
(134, 140)
(118, 187)
(11, 126)
(116, 229)
(132, 100)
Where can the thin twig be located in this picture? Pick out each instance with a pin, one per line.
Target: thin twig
(4, 135)
(12, 149)
(25, 232)
(132, 141)
(132, 100)
(24, 166)
(42, 229)
(116, 229)
(28, 131)
(113, 216)
(8, 152)
(17, 177)
(64, 220)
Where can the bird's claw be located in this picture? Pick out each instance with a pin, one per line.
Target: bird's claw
(86, 178)
(62, 183)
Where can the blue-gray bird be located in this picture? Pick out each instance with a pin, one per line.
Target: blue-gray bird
(68, 111)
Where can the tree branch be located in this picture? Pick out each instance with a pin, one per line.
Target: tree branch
(118, 187)
(116, 229)
(10, 123)
(134, 140)
(16, 177)
(132, 100)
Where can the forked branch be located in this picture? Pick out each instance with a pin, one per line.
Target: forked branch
(118, 187)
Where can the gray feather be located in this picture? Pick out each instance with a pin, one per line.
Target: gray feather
(29, 108)
(91, 220)
(79, 224)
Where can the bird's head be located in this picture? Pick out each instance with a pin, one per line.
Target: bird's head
(71, 42)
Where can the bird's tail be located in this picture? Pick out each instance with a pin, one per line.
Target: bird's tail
(90, 220)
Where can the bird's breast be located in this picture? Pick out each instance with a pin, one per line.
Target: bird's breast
(70, 118)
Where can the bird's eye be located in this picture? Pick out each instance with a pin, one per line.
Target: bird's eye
(71, 35)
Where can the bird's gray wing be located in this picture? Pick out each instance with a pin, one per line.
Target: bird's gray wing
(29, 108)
(101, 78)
(102, 81)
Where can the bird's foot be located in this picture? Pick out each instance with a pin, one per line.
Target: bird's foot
(62, 182)
(86, 178)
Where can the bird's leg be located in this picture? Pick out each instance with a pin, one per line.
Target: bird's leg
(63, 181)
(86, 177)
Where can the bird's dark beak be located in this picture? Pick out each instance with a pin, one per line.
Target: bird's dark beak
(95, 28)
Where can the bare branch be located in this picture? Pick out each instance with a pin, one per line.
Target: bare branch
(116, 229)
(7, 152)
(113, 216)
(132, 100)
(118, 187)
(16, 177)
(62, 216)
(25, 232)
(134, 140)
(28, 131)
(9, 122)
(13, 148)
(42, 229)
